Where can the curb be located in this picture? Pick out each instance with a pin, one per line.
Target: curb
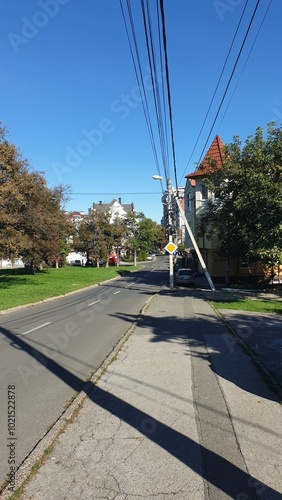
(37, 455)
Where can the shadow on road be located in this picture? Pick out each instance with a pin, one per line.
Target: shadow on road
(231, 480)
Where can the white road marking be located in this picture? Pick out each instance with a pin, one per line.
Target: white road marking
(33, 329)
(116, 292)
(130, 284)
(92, 303)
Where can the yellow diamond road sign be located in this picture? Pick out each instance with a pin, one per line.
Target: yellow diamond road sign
(170, 247)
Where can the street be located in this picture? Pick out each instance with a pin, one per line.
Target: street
(49, 350)
(178, 413)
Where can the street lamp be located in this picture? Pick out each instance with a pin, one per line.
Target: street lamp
(172, 192)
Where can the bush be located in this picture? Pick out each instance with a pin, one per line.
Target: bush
(142, 255)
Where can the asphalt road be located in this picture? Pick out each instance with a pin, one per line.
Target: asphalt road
(49, 350)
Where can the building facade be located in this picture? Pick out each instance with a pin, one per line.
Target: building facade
(196, 198)
(176, 225)
(116, 209)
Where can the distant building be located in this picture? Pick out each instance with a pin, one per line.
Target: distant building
(76, 217)
(178, 227)
(115, 208)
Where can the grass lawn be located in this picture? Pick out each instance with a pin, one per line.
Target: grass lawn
(263, 306)
(18, 287)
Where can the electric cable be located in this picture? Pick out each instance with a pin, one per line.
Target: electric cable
(230, 78)
(248, 57)
(153, 71)
(217, 85)
(117, 193)
(139, 78)
(168, 89)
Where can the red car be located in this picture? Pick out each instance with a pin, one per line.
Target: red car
(114, 259)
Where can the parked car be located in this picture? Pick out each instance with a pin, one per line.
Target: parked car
(93, 263)
(114, 259)
(77, 263)
(184, 276)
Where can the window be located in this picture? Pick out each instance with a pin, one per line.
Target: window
(204, 192)
(247, 264)
(189, 202)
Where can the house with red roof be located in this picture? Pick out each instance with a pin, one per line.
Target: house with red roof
(196, 197)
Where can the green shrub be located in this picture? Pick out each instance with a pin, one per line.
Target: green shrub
(142, 255)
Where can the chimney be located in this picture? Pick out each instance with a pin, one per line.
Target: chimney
(119, 200)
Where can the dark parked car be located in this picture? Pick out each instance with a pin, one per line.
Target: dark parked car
(77, 263)
(184, 276)
(93, 263)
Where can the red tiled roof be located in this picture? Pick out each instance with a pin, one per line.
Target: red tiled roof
(215, 153)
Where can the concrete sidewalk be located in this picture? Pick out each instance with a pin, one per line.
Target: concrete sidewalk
(180, 413)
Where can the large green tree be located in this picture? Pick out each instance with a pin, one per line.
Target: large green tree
(131, 225)
(143, 234)
(97, 236)
(148, 233)
(32, 220)
(90, 238)
(245, 216)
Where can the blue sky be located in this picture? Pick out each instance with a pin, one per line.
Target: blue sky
(70, 98)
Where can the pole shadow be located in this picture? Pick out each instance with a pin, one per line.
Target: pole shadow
(224, 475)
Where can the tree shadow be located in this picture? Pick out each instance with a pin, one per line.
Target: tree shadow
(203, 334)
(221, 473)
(13, 277)
(8, 281)
(20, 271)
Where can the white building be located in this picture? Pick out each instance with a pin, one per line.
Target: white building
(115, 208)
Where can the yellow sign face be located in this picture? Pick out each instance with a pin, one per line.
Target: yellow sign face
(170, 247)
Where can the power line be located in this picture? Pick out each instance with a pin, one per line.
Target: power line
(168, 89)
(117, 193)
(248, 57)
(217, 85)
(230, 78)
(139, 76)
(153, 70)
(160, 107)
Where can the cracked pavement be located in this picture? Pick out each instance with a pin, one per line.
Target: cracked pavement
(176, 415)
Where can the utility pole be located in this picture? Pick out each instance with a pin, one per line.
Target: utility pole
(172, 192)
(202, 262)
(169, 195)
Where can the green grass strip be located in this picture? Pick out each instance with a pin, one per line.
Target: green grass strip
(18, 287)
(263, 306)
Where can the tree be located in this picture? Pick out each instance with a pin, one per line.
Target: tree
(148, 233)
(161, 237)
(131, 224)
(114, 233)
(245, 216)
(97, 236)
(32, 220)
(90, 238)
